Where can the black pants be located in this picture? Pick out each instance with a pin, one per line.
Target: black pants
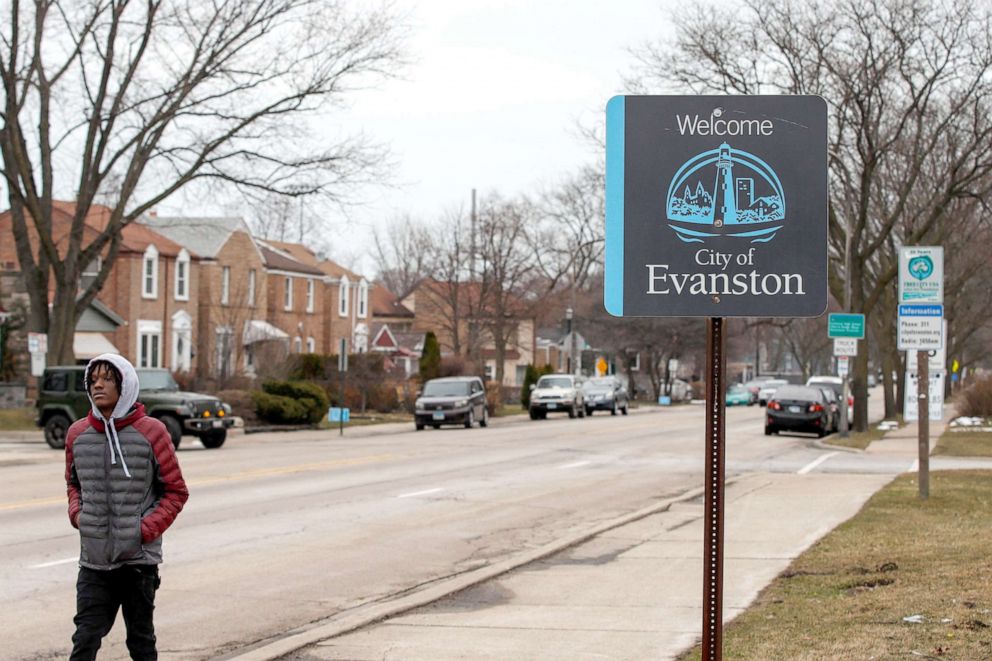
(98, 596)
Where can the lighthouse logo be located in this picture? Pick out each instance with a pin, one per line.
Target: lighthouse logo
(726, 192)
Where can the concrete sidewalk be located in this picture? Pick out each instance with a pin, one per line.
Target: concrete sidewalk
(634, 591)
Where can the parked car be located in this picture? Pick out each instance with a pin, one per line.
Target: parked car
(836, 384)
(798, 408)
(605, 393)
(62, 399)
(737, 395)
(754, 386)
(557, 392)
(456, 400)
(768, 389)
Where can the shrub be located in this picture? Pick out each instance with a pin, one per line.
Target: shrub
(430, 359)
(308, 367)
(530, 378)
(280, 410)
(310, 396)
(976, 399)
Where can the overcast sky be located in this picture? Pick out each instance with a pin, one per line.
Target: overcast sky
(492, 100)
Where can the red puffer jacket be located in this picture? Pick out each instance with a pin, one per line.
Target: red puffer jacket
(124, 492)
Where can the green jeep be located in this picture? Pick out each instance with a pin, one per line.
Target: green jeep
(62, 400)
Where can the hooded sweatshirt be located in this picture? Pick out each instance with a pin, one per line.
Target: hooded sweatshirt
(123, 481)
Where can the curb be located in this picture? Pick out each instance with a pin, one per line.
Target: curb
(364, 615)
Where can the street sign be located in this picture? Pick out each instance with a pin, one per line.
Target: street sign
(920, 328)
(938, 357)
(921, 274)
(845, 346)
(37, 343)
(846, 325)
(935, 396)
(843, 366)
(337, 414)
(716, 206)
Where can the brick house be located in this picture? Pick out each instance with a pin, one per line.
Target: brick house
(433, 304)
(349, 315)
(147, 308)
(232, 292)
(296, 301)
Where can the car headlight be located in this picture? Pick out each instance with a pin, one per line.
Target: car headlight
(462, 402)
(418, 404)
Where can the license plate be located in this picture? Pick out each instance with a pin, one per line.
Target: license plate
(793, 409)
(218, 423)
(439, 415)
(552, 406)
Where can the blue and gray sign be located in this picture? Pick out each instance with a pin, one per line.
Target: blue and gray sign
(716, 206)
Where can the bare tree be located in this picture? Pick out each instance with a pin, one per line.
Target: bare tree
(568, 237)
(402, 253)
(131, 102)
(504, 267)
(909, 89)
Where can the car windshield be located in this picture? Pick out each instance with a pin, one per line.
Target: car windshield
(836, 387)
(554, 382)
(800, 393)
(446, 388)
(600, 384)
(737, 388)
(773, 384)
(156, 380)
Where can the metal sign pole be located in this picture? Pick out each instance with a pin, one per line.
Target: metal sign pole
(715, 463)
(923, 420)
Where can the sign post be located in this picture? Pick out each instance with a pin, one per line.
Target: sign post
(343, 371)
(716, 207)
(921, 329)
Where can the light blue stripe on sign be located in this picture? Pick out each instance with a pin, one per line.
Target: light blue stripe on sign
(613, 290)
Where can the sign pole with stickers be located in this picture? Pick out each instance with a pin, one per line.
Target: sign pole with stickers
(921, 329)
(716, 207)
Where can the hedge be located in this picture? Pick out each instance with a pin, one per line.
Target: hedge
(309, 396)
(279, 410)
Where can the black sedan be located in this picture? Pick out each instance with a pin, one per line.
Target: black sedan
(799, 408)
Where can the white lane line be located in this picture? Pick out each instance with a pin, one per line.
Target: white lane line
(576, 464)
(54, 562)
(420, 493)
(816, 462)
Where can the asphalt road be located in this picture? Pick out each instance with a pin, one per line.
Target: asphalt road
(284, 530)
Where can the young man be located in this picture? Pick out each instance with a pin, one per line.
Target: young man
(125, 489)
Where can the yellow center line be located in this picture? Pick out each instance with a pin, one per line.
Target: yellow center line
(243, 475)
(287, 470)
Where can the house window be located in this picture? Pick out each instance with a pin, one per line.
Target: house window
(225, 286)
(225, 352)
(363, 299)
(149, 273)
(182, 276)
(636, 365)
(251, 287)
(311, 345)
(149, 343)
(90, 271)
(309, 294)
(288, 295)
(297, 344)
(343, 297)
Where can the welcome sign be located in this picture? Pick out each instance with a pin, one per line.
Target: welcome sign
(716, 206)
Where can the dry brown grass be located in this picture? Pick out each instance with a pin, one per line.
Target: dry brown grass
(859, 440)
(965, 443)
(21, 419)
(847, 596)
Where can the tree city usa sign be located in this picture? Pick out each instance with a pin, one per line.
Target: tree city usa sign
(716, 206)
